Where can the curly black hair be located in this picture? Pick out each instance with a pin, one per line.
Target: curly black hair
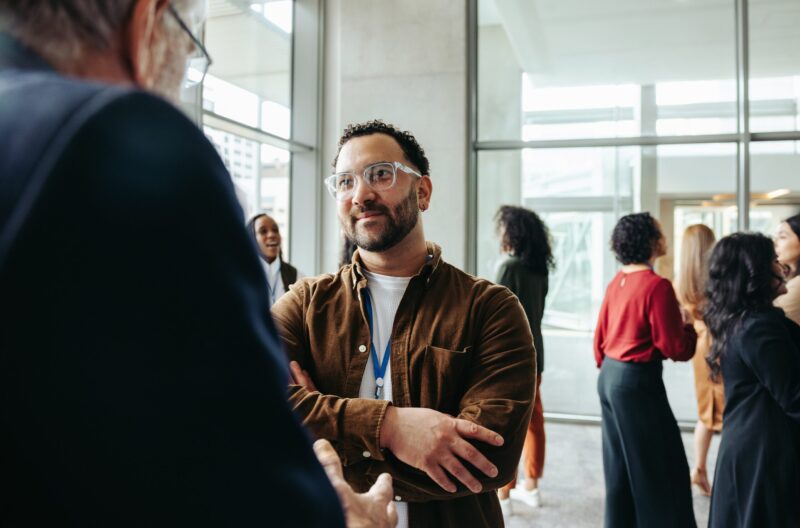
(412, 150)
(527, 237)
(635, 237)
(741, 281)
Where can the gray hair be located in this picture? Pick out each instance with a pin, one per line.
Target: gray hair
(62, 30)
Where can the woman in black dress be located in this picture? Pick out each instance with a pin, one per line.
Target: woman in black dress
(757, 480)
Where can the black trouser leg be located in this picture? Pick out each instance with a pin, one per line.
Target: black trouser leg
(643, 437)
(620, 511)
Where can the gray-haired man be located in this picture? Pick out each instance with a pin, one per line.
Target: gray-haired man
(140, 383)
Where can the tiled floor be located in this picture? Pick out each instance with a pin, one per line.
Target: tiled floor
(572, 489)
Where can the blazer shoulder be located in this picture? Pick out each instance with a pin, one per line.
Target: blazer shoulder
(762, 325)
(149, 149)
(138, 120)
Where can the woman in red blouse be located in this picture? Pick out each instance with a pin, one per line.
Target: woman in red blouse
(640, 324)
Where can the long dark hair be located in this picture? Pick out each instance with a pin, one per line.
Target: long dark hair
(527, 237)
(741, 281)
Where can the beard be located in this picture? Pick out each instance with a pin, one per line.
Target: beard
(168, 60)
(399, 223)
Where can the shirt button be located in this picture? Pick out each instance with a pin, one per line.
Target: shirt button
(397, 498)
(362, 348)
(366, 454)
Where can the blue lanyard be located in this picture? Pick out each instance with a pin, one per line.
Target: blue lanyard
(378, 370)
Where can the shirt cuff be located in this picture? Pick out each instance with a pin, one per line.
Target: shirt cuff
(361, 429)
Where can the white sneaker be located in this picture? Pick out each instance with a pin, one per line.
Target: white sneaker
(505, 507)
(531, 498)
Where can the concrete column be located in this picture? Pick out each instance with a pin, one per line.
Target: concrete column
(404, 62)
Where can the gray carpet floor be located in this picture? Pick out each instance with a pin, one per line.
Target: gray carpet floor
(572, 488)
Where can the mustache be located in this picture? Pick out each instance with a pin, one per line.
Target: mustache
(368, 207)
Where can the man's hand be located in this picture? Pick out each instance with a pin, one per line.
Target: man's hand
(301, 377)
(373, 509)
(434, 442)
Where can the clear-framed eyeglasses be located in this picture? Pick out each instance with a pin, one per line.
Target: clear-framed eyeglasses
(199, 61)
(378, 177)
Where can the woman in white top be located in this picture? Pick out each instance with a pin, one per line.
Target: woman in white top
(787, 247)
(267, 236)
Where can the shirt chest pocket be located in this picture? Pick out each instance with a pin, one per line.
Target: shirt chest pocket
(439, 378)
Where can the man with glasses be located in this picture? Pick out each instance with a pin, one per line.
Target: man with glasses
(405, 363)
(141, 381)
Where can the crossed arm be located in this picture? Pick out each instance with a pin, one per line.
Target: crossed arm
(428, 448)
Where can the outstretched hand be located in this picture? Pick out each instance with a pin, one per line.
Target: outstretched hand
(436, 443)
(373, 509)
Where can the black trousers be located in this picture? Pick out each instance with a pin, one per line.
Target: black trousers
(646, 473)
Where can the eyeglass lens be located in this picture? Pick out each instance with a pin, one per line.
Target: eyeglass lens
(378, 177)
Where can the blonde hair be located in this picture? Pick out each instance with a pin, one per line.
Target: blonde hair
(698, 240)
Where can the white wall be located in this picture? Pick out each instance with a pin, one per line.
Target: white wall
(404, 62)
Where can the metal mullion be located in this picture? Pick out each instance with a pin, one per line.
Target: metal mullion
(252, 133)
(743, 115)
(320, 133)
(791, 135)
(638, 141)
(472, 137)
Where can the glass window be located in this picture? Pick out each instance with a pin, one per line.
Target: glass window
(249, 83)
(274, 187)
(581, 193)
(774, 66)
(565, 70)
(775, 184)
(585, 73)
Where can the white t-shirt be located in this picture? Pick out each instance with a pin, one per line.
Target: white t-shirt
(385, 293)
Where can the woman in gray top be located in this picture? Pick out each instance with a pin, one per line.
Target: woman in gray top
(526, 241)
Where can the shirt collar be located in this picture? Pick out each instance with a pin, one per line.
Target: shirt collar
(272, 267)
(358, 279)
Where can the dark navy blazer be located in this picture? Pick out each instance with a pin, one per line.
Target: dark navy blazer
(141, 378)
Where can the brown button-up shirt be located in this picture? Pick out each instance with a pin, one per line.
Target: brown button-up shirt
(460, 345)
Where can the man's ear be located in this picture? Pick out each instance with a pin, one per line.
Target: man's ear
(140, 35)
(424, 191)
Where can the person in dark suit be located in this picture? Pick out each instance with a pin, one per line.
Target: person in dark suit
(141, 378)
(757, 349)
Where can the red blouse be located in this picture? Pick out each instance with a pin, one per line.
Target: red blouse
(640, 321)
